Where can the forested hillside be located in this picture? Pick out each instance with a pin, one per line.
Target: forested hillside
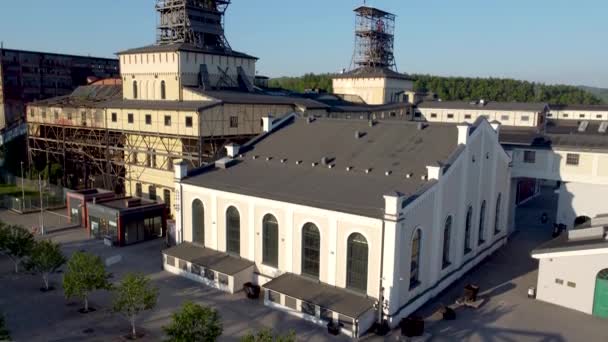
(601, 93)
(465, 89)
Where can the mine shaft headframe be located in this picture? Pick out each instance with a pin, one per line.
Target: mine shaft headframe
(374, 38)
(197, 22)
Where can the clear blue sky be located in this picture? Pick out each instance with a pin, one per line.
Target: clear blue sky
(552, 41)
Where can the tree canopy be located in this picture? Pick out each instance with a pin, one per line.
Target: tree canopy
(16, 242)
(85, 273)
(464, 89)
(133, 295)
(194, 323)
(45, 258)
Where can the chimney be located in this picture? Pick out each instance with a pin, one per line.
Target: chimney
(434, 171)
(267, 123)
(232, 150)
(496, 126)
(392, 205)
(463, 133)
(181, 170)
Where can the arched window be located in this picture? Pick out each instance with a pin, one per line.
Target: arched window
(415, 260)
(134, 89)
(356, 262)
(233, 231)
(447, 232)
(467, 230)
(497, 215)
(270, 241)
(163, 90)
(311, 250)
(482, 219)
(198, 222)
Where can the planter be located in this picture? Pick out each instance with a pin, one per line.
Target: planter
(252, 291)
(412, 326)
(333, 328)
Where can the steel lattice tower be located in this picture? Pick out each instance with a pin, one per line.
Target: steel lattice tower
(374, 39)
(197, 22)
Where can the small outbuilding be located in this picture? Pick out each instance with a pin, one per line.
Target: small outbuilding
(125, 221)
(76, 202)
(573, 268)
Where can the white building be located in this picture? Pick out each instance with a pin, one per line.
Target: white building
(573, 269)
(507, 113)
(579, 112)
(565, 151)
(334, 216)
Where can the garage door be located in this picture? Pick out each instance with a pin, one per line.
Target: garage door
(600, 302)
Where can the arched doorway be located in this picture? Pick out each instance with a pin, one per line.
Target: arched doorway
(580, 220)
(600, 300)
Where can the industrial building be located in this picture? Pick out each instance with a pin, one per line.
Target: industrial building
(386, 214)
(27, 76)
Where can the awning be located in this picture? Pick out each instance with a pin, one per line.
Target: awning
(332, 298)
(208, 258)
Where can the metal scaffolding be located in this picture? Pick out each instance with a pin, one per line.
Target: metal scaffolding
(197, 22)
(374, 39)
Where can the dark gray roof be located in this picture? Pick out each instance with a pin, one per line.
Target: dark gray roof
(239, 97)
(335, 299)
(557, 133)
(563, 244)
(161, 105)
(208, 258)
(395, 146)
(489, 105)
(592, 108)
(85, 96)
(367, 72)
(184, 47)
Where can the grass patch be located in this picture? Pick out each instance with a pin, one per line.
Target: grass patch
(14, 190)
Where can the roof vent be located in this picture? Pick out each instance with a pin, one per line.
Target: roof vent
(224, 163)
(314, 164)
(324, 160)
(349, 168)
(371, 123)
(409, 175)
(603, 127)
(283, 161)
(420, 126)
(298, 162)
(388, 173)
(482, 102)
(582, 127)
(268, 158)
(368, 170)
(310, 119)
(255, 157)
(330, 166)
(424, 177)
(133, 202)
(358, 135)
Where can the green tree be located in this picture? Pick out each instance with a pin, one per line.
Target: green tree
(133, 295)
(85, 274)
(16, 242)
(194, 323)
(45, 258)
(4, 333)
(266, 335)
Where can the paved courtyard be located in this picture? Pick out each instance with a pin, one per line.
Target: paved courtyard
(506, 315)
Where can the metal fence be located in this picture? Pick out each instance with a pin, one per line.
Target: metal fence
(53, 196)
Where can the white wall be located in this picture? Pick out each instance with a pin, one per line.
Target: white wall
(507, 118)
(334, 227)
(581, 199)
(465, 183)
(580, 270)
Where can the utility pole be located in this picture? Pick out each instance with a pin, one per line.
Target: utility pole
(41, 205)
(22, 190)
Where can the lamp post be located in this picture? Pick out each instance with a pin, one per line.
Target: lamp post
(22, 189)
(41, 205)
